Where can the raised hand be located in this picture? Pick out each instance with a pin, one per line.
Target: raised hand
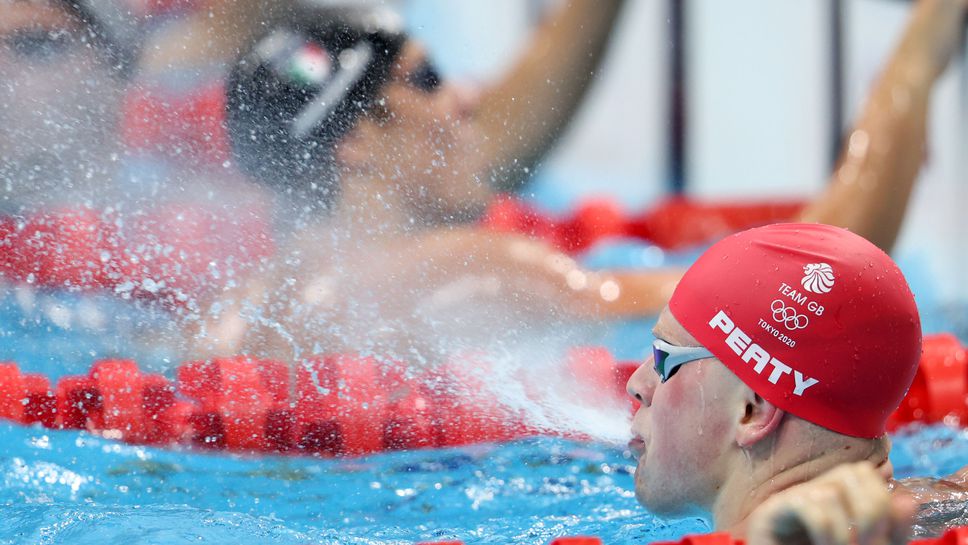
(849, 505)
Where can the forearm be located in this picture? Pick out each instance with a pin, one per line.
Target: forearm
(534, 271)
(869, 191)
(622, 295)
(942, 503)
(525, 112)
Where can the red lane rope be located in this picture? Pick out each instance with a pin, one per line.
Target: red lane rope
(168, 251)
(346, 405)
(673, 224)
(337, 405)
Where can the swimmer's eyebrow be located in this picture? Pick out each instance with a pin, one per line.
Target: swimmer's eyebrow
(658, 336)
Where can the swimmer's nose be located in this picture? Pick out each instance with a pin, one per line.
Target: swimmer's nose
(641, 385)
(466, 98)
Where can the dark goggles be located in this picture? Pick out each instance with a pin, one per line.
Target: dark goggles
(425, 77)
(669, 357)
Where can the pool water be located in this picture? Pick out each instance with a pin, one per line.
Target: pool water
(70, 487)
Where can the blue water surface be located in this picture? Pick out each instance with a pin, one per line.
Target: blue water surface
(70, 487)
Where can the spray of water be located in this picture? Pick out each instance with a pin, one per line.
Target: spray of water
(348, 286)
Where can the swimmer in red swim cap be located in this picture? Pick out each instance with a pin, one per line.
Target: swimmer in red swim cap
(779, 358)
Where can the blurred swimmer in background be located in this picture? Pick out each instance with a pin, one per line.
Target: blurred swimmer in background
(384, 149)
(64, 67)
(516, 119)
(346, 117)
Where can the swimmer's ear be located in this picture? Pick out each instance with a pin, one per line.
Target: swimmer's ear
(759, 420)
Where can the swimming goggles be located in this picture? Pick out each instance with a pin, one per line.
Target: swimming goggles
(668, 357)
(425, 77)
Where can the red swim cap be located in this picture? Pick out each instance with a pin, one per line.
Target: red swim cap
(815, 319)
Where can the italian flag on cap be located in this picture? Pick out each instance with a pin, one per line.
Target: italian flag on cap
(311, 65)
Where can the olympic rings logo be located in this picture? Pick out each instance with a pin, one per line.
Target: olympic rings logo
(788, 316)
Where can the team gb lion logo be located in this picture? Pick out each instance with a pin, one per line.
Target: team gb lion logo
(818, 278)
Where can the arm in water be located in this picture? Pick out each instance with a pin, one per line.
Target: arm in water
(524, 113)
(942, 503)
(869, 191)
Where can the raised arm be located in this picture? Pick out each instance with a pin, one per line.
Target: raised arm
(523, 114)
(869, 190)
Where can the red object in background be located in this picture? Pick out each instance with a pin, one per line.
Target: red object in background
(189, 126)
(275, 379)
(200, 381)
(179, 251)
(115, 399)
(945, 368)
(67, 247)
(716, 538)
(184, 251)
(592, 221)
(465, 411)
(940, 387)
(234, 399)
(340, 408)
(508, 214)
(40, 405)
(593, 369)
(168, 251)
(679, 222)
(158, 403)
(673, 224)
(174, 252)
(78, 402)
(350, 405)
(121, 385)
(12, 391)
(410, 412)
(244, 404)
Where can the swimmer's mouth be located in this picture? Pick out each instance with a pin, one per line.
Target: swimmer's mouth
(637, 445)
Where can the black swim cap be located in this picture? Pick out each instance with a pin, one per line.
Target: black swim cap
(302, 87)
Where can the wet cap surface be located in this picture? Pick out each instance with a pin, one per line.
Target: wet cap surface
(815, 319)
